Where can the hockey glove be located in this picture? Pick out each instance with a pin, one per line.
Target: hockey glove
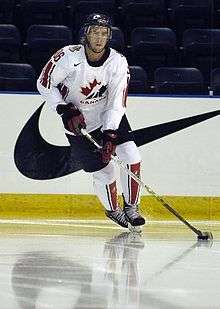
(73, 119)
(109, 141)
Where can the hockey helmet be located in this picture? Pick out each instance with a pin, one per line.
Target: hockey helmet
(97, 19)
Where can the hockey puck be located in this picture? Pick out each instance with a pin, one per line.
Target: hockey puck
(205, 236)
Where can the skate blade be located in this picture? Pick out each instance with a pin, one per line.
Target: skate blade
(134, 229)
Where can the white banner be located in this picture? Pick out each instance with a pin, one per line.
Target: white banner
(180, 151)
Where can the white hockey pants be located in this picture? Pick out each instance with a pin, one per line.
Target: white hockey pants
(104, 180)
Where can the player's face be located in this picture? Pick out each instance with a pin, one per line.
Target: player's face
(98, 37)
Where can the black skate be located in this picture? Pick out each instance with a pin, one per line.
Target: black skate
(118, 216)
(132, 215)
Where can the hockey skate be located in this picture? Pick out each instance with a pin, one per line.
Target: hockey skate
(117, 216)
(125, 239)
(132, 215)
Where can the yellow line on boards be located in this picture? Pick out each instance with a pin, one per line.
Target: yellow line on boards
(70, 206)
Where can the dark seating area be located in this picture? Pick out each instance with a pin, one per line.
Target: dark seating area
(172, 46)
(43, 41)
(152, 48)
(17, 77)
(184, 81)
(10, 43)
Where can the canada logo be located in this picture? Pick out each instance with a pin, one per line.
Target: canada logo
(92, 91)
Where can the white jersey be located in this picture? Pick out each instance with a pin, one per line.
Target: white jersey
(99, 92)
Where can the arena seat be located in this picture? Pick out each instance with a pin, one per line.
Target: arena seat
(152, 48)
(84, 8)
(148, 13)
(138, 81)
(44, 12)
(10, 43)
(215, 81)
(7, 11)
(43, 41)
(17, 77)
(216, 13)
(201, 49)
(117, 41)
(187, 14)
(184, 81)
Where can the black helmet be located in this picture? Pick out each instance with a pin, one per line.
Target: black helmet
(97, 19)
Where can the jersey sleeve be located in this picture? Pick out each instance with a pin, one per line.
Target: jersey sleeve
(117, 95)
(54, 72)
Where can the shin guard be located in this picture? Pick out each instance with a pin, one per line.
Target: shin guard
(131, 189)
(105, 187)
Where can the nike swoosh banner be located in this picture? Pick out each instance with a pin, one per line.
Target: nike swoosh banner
(37, 159)
(150, 134)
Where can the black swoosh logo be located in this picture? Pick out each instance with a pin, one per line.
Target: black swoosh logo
(35, 158)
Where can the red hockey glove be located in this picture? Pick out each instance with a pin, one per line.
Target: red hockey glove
(73, 119)
(109, 141)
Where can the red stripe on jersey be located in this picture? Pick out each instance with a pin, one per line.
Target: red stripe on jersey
(112, 195)
(67, 92)
(125, 94)
(134, 187)
(64, 91)
(49, 75)
(45, 80)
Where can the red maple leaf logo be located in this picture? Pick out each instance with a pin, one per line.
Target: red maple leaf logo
(87, 90)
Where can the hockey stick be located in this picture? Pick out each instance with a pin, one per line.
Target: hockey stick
(200, 235)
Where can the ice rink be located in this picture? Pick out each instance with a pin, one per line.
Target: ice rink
(79, 265)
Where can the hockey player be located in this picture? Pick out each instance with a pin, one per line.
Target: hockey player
(87, 86)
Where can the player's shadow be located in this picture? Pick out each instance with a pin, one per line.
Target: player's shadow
(42, 280)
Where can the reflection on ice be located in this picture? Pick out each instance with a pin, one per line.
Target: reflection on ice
(117, 270)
